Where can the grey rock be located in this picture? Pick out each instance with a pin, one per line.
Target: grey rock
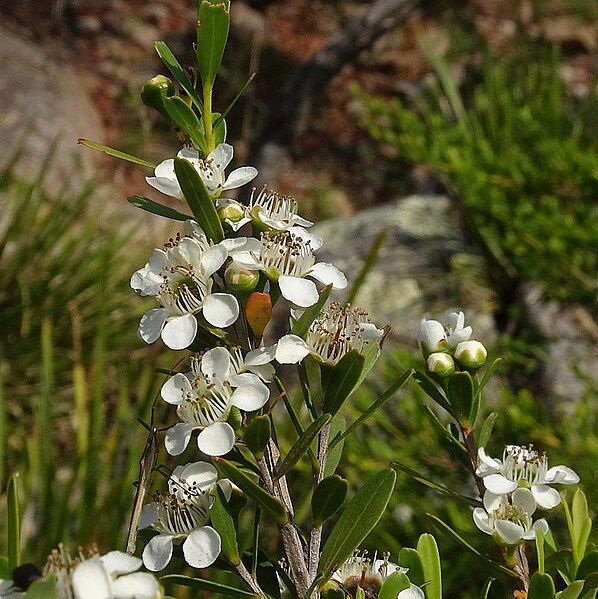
(416, 272)
(43, 102)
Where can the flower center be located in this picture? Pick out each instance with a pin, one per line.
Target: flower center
(507, 511)
(183, 512)
(61, 565)
(286, 254)
(524, 464)
(274, 205)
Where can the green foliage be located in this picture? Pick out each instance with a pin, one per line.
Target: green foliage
(520, 160)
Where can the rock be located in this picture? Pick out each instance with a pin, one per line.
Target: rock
(417, 271)
(42, 102)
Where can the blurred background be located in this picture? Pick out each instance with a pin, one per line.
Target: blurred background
(457, 137)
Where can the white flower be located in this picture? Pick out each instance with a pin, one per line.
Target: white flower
(275, 210)
(211, 170)
(204, 398)
(369, 574)
(509, 522)
(9, 590)
(413, 592)
(335, 331)
(432, 336)
(180, 277)
(470, 354)
(182, 514)
(288, 258)
(91, 576)
(524, 467)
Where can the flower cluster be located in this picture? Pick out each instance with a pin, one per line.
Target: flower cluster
(448, 345)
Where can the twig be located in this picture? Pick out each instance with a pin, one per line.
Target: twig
(251, 582)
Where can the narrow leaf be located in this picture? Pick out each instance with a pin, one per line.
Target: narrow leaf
(588, 565)
(224, 524)
(251, 488)
(573, 591)
(580, 518)
(459, 539)
(158, 209)
(186, 120)
(358, 518)
(199, 199)
(541, 586)
(302, 444)
(302, 324)
(116, 153)
(460, 394)
(13, 528)
(427, 549)
(201, 584)
(486, 588)
(374, 407)
(221, 117)
(337, 428)
(5, 572)
(342, 380)
(257, 434)
(212, 34)
(328, 498)
(433, 391)
(486, 429)
(172, 64)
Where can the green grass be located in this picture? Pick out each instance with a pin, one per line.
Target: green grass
(73, 377)
(520, 157)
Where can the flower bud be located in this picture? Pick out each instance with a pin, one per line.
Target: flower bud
(239, 278)
(258, 311)
(440, 364)
(154, 92)
(231, 211)
(470, 355)
(431, 337)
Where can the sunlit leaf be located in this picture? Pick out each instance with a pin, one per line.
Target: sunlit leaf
(158, 209)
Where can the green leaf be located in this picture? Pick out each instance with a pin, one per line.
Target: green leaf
(270, 504)
(186, 120)
(393, 585)
(5, 573)
(159, 209)
(328, 498)
(588, 565)
(256, 435)
(459, 539)
(337, 427)
(43, 588)
(486, 588)
(13, 527)
(212, 33)
(302, 444)
(173, 65)
(486, 429)
(116, 153)
(460, 394)
(430, 558)
(573, 591)
(409, 558)
(201, 584)
(220, 129)
(358, 518)
(436, 486)
(341, 381)
(433, 391)
(541, 586)
(301, 325)
(540, 551)
(199, 199)
(374, 407)
(220, 117)
(225, 526)
(582, 524)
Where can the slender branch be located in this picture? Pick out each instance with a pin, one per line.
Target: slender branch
(316, 533)
(251, 582)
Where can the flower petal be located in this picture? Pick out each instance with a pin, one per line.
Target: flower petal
(169, 187)
(117, 563)
(546, 496)
(492, 501)
(563, 475)
(149, 515)
(250, 396)
(200, 474)
(541, 525)
(266, 371)
(260, 356)
(328, 274)
(90, 580)
(139, 585)
(146, 281)
(202, 547)
(498, 484)
(220, 309)
(174, 389)
(301, 292)
(177, 438)
(216, 363)
(508, 531)
(179, 332)
(240, 177)
(157, 552)
(291, 349)
(165, 169)
(413, 592)
(481, 520)
(213, 259)
(216, 439)
(524, 499)
(221, 156)
(151, 324)
(487, 465)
